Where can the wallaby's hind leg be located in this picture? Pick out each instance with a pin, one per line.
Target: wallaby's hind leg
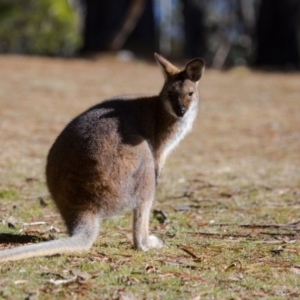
(84, 231)
(142, 240)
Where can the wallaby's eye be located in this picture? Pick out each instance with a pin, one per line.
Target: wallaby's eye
(190, 94)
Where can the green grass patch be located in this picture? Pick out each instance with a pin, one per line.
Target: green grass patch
(8, 194)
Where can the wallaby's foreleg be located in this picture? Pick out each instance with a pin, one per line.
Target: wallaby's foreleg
(141, 238)
(82, 237)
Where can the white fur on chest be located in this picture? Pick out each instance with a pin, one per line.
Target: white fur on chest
(183, 127)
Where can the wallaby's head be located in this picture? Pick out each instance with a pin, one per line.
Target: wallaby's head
(180, 93)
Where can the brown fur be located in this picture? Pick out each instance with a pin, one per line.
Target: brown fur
(108, 159)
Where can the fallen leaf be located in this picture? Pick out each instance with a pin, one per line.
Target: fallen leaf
(150, 269)
(62, 281)
(43, 203)
(234, 264)
(126, 296)
(130, 280)
(189, 252)
(167, 275)
(11, 225)
(81, 274)
(295, 270)
(160, 216)
(34, 223)
(21, 281)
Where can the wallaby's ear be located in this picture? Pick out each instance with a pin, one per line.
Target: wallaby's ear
(195, 69)
(167, 68)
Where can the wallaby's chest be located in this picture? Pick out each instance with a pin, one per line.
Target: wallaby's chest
(175, 135)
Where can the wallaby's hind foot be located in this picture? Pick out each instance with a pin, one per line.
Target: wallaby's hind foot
(155, 242)
(151, 242)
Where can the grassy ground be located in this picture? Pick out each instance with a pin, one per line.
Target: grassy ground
(227, 202)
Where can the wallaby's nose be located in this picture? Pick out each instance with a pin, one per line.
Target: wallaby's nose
(180, 111)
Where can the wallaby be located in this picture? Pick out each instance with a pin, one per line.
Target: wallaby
(109, 158)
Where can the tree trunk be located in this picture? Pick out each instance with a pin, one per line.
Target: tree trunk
(115, 24)
(143, 38)
(277, 44)
(194, 28)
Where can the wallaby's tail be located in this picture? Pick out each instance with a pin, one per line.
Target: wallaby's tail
(65, 245)
(81, 240)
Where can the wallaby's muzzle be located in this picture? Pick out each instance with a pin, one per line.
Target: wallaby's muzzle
(180, 111)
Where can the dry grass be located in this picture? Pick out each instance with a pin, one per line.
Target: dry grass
(231, 191)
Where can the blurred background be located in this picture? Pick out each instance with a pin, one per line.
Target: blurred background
(226, 33)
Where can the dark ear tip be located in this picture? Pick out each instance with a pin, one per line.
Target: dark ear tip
(195, 68)
(199, 60)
